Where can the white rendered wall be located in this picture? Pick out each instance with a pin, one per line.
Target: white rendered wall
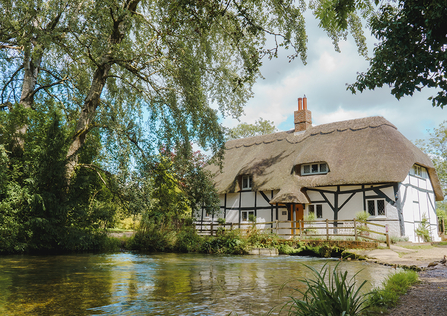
(418, 199)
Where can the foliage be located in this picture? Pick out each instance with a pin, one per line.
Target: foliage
(260, 127)
(194, 180)
(423, 231)
(330, 292)
(221, 221)
(91, 90)
(39, 209)
(392, 288)
(411, 53)
(362, 216)
(436, 148)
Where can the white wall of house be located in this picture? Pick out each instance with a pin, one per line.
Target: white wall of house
(418, 199)
(415, 198)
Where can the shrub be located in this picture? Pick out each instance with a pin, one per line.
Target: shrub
(362, 216)
(423, 231)
(338, 296)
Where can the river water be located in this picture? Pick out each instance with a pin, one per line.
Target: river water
(157, 284)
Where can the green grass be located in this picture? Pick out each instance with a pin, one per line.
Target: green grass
(418, 247)
(387, 296)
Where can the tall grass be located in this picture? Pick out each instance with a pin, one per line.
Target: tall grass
(328, 293)
(331, 293)
(387, 296)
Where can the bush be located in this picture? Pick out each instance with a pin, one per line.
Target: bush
(338, 296)
(423, 231)
(362, 216)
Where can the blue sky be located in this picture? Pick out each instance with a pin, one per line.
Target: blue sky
(323, 80)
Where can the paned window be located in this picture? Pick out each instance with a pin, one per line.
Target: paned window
(419, 171)
(246, 215)
(319, 209)
(314, 168)
(376, 207)
(246, 182)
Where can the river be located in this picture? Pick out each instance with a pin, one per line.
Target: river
(157, 284)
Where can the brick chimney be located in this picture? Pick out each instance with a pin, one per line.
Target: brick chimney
(303, 117)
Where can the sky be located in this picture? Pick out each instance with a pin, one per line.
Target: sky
(323, 81)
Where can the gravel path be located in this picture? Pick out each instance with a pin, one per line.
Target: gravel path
(426, 298)
(429, 297)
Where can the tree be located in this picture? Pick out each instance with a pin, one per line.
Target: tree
(411, 54)
(104, 60)
(125, 77)
(436, 148)
(260, 127)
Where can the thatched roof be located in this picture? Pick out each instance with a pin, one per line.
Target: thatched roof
(360, 151)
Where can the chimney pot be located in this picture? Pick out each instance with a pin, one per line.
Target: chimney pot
(303, 117)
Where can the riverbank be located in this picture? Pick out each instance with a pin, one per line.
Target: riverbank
(427, 297)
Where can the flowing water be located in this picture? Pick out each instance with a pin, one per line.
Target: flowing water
(157, 284)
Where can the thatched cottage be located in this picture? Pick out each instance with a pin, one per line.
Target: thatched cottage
(332, 170)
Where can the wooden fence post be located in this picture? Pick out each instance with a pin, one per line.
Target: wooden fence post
(211, 228)
(355, 230)
(276, 226)
(301, 228)
(387, 236)
(327, 229)
(443, 227)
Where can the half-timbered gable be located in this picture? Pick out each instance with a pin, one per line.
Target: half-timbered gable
(332, 170)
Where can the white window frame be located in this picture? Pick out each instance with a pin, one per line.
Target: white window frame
(246, 215)
(314, 168)
(249, 182)
(376, 207)
(315, 208)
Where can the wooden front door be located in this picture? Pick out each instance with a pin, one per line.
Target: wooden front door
(297, 215)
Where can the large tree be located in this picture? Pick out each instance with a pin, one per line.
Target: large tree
(112, 81)
(105, 60)
(412, 52)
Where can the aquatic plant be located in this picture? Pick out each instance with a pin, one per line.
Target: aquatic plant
(328, 293)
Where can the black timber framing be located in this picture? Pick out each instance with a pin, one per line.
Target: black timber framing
(336, 208)
(240, 201)
(225, 206)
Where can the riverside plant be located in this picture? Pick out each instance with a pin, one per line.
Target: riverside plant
(336, 296)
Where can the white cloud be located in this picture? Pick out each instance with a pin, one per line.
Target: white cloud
(324, 80)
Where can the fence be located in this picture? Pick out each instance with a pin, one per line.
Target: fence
(304, 229)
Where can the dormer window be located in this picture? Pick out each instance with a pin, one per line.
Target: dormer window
(246, 182)
(314, 168)
(419, 171)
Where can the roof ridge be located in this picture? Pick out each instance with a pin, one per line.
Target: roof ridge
(323, 129)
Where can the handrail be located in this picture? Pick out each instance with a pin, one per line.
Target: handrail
(301, 227)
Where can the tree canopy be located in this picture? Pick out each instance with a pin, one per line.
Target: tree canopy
(436, 148)
(412, 53)
(260, 127)
(92, 90)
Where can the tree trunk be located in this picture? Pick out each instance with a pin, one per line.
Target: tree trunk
(31, 71)
(84, 123)
(87, 115)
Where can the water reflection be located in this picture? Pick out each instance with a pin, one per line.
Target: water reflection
(155, 284)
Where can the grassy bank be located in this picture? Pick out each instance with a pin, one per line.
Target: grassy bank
(330, 292)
